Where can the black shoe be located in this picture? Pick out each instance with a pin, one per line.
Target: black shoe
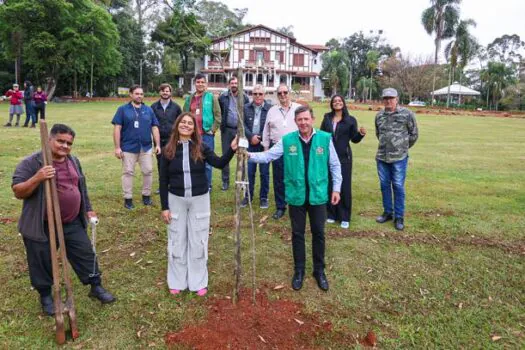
(279, 213)
(322, 282)
(101, 294)
(48, 306)
(146, 200)
(33, 125)
(399, 224)
(297, 280)
(244, 202)
(264, 204)
(24, 126)
(8, 125)
(128, 203)
(17, 125)
(225, 186)
(381, 219)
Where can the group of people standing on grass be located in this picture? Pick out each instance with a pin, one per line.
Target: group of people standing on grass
(34, 101)
(311, 171)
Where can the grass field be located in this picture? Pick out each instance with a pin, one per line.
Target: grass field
(455, 278)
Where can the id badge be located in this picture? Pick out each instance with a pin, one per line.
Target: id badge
(136, 124)
(198, 111)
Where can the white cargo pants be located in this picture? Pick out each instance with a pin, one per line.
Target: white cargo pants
(188, 242)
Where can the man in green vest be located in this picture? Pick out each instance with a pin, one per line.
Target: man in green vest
(310, 162)
(205, 107)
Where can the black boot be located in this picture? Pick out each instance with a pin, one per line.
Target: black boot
(399, 224)
(322, 282)
(101, 294)
(128, 203)
(147, 200)
(48, 306)
(381, 219)
(298, 279)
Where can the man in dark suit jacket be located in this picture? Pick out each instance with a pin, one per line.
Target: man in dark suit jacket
(166, 111)
(228, 104)
(254, 119)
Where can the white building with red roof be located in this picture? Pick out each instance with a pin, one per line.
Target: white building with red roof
(267, 57)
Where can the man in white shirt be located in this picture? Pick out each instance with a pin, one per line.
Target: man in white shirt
(279, 122)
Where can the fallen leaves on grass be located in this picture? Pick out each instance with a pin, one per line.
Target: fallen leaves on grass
(495, 337)
(7, 220)
(278, 287)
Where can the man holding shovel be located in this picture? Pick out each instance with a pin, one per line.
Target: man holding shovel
(75, 210)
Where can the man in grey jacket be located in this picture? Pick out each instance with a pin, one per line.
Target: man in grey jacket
(75, 209)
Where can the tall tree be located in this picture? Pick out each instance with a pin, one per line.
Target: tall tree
(497, 77)
(461, 50)
(286, 30)
(218, 19)
(439, 20)
(372, 61)
(336, 68)
(182, 32)
(63, 37)
(357, 46)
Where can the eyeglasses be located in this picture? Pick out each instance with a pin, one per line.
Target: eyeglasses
(258, 94)
(282, 93)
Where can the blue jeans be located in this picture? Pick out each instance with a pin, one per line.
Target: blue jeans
(392, 177)
(209, 140)
(264, 172)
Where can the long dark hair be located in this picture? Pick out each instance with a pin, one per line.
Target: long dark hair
(171, 148)
(345, 109)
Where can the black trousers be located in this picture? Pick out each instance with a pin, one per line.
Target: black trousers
(343, 210)
(40, 108)
(278, 182)
(79, 253)
(317, 216)
(227, 136)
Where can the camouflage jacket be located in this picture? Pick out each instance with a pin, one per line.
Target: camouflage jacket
(396, 132)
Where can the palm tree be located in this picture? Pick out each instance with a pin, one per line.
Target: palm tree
(497, 76)
(440, 19)
(462, 49)
(336, 70)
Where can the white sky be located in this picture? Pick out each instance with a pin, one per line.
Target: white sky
(316, 22)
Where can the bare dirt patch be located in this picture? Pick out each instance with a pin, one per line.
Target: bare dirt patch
(269, 324)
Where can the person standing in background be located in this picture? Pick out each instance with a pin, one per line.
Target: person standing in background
(343, 128)
(28, 101)
(39, 103)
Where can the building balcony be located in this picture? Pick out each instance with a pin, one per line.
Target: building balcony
(259, 63)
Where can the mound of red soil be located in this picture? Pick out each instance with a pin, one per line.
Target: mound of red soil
(265, 325)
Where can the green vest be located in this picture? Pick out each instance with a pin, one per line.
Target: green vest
(207, 109)
(294, 181)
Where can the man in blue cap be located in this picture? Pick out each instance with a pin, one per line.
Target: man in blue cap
(396, 130)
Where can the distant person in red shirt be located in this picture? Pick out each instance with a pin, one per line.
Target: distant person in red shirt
(16, 97)
(39, 103)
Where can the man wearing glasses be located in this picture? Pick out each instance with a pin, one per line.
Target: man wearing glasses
(279, 122)
(255, 114)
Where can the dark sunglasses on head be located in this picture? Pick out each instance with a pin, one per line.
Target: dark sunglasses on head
(282, 93)
(258, 94)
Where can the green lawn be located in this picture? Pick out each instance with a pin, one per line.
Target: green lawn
(453, 279)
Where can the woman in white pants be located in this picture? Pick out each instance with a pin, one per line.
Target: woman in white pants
(185, 201)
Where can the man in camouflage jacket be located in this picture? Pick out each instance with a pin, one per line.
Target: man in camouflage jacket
(396, 130)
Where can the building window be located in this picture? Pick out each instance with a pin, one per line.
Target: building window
(279, 56)
(259, 40)
(241, 55)
(298, 60)
(315, 61)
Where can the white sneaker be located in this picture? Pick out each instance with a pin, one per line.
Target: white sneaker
(345, 224)
(330, 221)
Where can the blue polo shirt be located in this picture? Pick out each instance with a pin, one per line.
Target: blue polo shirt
(136, 123)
